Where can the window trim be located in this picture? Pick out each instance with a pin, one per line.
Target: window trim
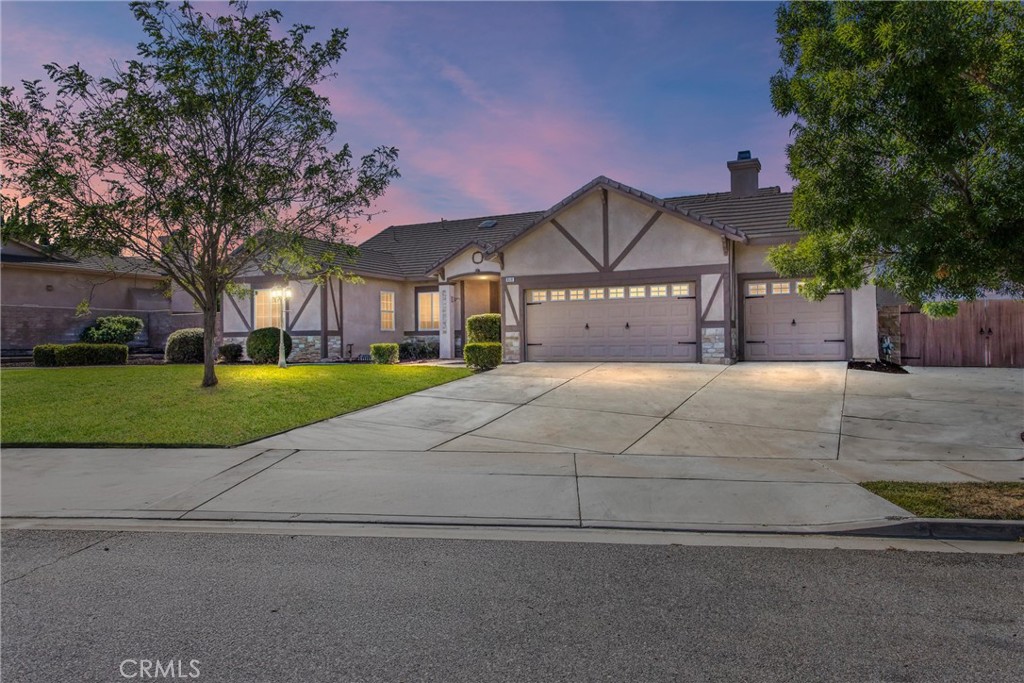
(428, 290)
(392, 311)
(275, 319)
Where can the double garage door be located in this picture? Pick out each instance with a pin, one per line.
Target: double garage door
(780, 324)
(630, 323)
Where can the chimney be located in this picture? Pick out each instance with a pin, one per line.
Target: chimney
(743, 174)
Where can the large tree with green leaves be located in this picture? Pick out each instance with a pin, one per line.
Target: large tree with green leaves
(908, 150)
(209, 152)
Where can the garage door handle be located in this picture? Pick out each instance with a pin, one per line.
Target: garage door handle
(694, 343)
(753, 342)
(834, 340)
(535, 344)
(794, 322)
(627, 326)
(587, 326)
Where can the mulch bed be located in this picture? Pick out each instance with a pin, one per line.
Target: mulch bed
(877, 366)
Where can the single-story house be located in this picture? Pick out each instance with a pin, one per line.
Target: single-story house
(608, 273)
(42, 291)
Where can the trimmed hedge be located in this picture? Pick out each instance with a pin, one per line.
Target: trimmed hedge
(91, 354)
(263, 344)
(45, 355)
(418, 349)
(485, 327)
(112, 329)
(232, 353)
(184, 346)
(482, 355)
(384, 354)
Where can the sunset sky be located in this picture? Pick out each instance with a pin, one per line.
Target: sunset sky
(502, 107)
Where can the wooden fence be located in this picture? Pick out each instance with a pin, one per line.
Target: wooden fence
(984, 334)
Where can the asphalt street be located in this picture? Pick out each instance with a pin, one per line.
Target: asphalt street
(78, 605)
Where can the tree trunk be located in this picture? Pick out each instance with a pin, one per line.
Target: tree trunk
(209, 341)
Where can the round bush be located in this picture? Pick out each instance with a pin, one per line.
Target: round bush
(185, 346)
(262, 344)
(231, 353)
(112, 329)
(384, 354)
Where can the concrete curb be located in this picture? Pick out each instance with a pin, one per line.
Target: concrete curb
(913, 528)
(943, 529)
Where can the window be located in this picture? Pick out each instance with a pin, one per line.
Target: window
(596, 293)
(616, 293)
(780, 288)
(387, 311)
(681, 290)
(659, 290)
(558, 295)
(757, 289)
(268, 309)
(538, 295)
(576, 294)
(428, 311)
(637, 292)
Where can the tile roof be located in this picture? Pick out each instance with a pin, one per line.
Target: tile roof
(418, 247)
(763, 216)
(105, 264)
(370, 261)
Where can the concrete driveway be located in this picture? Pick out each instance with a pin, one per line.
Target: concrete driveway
(753, 446)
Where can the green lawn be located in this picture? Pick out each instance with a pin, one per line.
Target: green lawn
(164, 405)
(968, 500)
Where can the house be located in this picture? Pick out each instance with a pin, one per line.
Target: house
(608, 273)
(42, 292)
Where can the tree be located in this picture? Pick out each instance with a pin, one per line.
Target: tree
(908, 149)
(208, 153)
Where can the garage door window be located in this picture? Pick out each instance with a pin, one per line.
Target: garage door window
(616, 293)
(558, 295)
(597, 293)
(659, 290)
(576, 294)
(757, 289)
(681, 290)
(637, 292)
(780, 288)
(538, 295)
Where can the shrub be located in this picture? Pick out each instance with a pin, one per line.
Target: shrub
(482, 355)
(232, 353)
(384, 354)
(185, 346)
(418, 349)
(485, 327)
(112, 329)
(91, 354)
(45, 355)
(262, 344)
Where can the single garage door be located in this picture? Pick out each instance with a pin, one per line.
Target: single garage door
(780, 324)
(630, 323)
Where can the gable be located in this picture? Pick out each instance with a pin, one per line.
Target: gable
(607, 231)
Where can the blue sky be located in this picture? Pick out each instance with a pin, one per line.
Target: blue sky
(504, 107)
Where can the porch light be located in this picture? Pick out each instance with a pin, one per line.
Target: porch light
(281, 294)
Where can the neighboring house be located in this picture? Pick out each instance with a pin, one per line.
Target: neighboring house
(40, 293)
(608, 273)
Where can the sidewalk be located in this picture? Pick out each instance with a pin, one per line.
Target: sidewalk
(517, 489)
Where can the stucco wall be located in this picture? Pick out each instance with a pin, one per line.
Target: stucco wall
(35, 286)
(751, 259)
(463, 262)
(864, 317)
